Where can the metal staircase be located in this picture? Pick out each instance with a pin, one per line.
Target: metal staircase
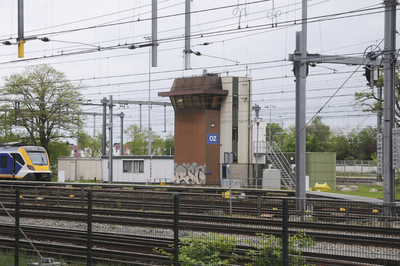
(279, 161)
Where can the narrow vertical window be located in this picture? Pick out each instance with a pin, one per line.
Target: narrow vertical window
(234, 134)
(235, 102)
(125, 166)
(136, 167)
(141, 166)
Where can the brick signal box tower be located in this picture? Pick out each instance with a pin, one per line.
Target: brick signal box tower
(212, 116)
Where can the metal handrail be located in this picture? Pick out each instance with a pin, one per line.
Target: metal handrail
(274, 149)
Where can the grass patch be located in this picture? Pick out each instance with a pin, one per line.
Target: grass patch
(364, 192)
(54, 178)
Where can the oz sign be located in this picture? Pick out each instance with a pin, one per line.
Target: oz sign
(212, 139)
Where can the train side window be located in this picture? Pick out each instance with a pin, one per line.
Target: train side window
(19, 158)
(3, 162)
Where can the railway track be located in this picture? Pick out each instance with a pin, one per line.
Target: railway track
(364, 235)
(203, 213)
(189, 202)
(134, 249)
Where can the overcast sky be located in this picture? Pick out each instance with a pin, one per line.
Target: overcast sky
(90, 40)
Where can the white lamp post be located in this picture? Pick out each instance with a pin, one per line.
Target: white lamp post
(257, 119)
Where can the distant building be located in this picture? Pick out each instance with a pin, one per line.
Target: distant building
(77, 152)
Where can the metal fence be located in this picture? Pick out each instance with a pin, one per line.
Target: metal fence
(128, 227)
(356, 168)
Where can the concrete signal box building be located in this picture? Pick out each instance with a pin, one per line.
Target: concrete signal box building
(212, 116)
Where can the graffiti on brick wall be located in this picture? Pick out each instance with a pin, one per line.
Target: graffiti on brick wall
(189, 173)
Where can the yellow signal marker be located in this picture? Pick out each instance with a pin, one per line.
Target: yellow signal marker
(21, 48)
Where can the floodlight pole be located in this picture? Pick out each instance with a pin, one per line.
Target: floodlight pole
(257, 119)
(122, 115)
(104, 145)
(110, 150)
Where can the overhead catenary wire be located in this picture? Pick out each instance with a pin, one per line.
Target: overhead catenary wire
(231, 71)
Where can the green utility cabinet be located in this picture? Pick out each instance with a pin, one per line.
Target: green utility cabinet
(320, 167)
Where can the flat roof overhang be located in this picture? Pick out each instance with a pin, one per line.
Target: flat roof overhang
(193, 92)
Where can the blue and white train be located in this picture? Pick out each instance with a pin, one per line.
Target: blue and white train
(19, 161)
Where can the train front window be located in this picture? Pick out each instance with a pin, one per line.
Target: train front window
(38, 158)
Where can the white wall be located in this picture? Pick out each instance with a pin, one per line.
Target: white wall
(244, 101)
(79, 168)
(161, 167)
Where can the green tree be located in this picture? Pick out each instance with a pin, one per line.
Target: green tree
(169, 143)
(91, 145)
(138, 141)
(371, 103)
(339, 144)
(157, 144)
(59, 149)
(40, 102)
(318, 135)
(366, 143)
(276, 130)
(313, 145)
(287, 140)
(355, 145)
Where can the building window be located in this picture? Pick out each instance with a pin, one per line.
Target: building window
(234, 134)
(127, 166)
(235, 102)
(133, 166)
(224, 171)
(136, 167)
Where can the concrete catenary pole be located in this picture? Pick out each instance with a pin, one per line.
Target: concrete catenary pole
(187, 34)
(389, 61)
(301, 76)
(21, 38)
(154, 26)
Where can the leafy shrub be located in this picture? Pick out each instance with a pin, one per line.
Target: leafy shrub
(215, 249)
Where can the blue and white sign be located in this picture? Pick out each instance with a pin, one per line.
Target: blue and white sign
(212, 139)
